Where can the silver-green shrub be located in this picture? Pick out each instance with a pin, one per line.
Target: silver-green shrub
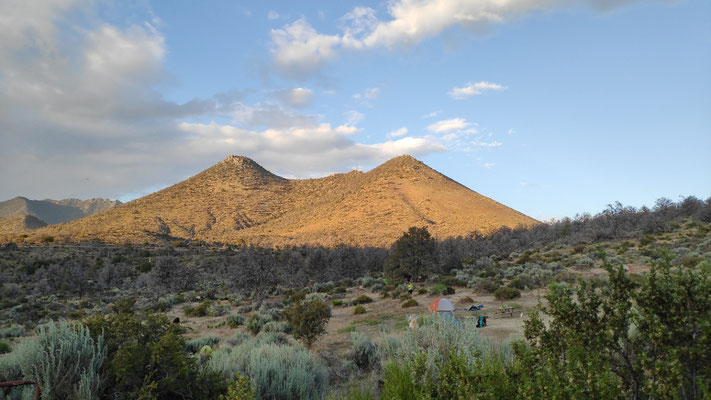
(363, 351)
(62, 358)
(194, 345)
(278, 371)
(234, 320)
(437, 338)
(12, 331)
(277, 326)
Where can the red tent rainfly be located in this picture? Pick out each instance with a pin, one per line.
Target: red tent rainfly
(441, 305)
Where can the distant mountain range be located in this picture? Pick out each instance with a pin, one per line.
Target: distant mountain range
(15, 211)
(238, 201)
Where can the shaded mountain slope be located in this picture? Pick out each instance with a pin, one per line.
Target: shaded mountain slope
(54, 211)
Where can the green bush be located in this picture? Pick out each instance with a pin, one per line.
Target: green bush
(244, 309)
(201, 310)
(691, 261)
(147, 358)
(194, 345)
(399, 383)
(488, 285)
(452, 281)
(410, 303)
(4, 347)
(256, 321)
(355, 392)
(12, 331)
(362, 299)
(363, 351)
(308, 319)
(359, 310)
(422, 290)
(234, 320)
(443, 360)
(277, 326)
(651, 314)
(441, 289)
(240, 389)
(62, 358)
(647, 240)
(506, 293)
(466, 300)
(277, 371)
(337, 303)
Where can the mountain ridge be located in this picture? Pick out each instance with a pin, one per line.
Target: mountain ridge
(54, 211)
(238, 201)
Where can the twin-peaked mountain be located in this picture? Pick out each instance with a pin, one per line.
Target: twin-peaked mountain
(238, 201)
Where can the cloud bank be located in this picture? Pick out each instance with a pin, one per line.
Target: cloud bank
(299, 51)
(81, 114)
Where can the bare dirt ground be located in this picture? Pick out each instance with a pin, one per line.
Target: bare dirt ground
(384, 316)
(388, 315)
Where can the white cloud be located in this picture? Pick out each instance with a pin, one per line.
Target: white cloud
(472, 89)
(86, 119)
(368, 94)
(272, 15)
(493, 143)
(447, 125)
(299, 50)
(488, 165)
(296, 97)
(432, 114)
(353, 117)
(302, 151)
(398, 132)
(270, 116)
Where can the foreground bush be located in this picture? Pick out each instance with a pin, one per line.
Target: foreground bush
(277, 371)
(147, 359)
(638, 338)
(363, 351)
(62, 358)
(432, 343)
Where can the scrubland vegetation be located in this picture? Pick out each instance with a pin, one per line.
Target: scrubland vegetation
(92, 321)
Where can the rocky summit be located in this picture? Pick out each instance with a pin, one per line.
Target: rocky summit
(238, 201)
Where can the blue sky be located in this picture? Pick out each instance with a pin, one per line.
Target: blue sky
(552, 107)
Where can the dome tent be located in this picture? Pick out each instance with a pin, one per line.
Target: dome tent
(442, 304)
(445, 308)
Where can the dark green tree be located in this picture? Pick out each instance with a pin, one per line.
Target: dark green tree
(412, 256)
(308, 319)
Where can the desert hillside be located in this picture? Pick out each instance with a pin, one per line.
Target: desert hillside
(238, 201)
